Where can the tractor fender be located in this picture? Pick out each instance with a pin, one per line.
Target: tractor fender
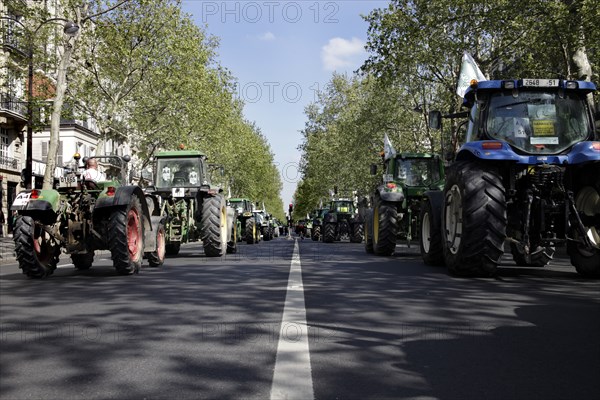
(44, 208)
(584, 152)
(356, 219)
(122, 197)
(436, 199)
(330, 218)
(150, 235)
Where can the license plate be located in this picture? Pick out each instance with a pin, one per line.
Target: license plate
(69, 180)
(21, 200)
(178, 192)
(540, 82)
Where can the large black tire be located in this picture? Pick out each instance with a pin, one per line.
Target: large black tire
(356, 235)
(172, 249)
(214, 226)
(587, 260)
(126, 237)
(83, 261)
(539, 258)
(266, 233)
(385, 228)
(37, 252)
(430, 236)
(369, 232)
(250, 231)
(156, 258)
(328, 232)
(316, 233)
(473, 219)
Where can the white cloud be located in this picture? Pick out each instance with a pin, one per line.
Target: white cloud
(340, 53)
(267, 36)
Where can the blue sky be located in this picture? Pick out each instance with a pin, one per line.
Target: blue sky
(281, 52)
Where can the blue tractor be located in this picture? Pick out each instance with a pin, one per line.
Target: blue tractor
(527, 177)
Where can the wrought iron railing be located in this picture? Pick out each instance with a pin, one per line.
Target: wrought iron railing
(9, 163)
(13, 104)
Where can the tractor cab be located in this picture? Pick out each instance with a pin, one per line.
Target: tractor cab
(534, 116)
(180, 169)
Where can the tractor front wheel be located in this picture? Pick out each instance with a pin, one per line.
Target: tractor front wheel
(430, 236)
(37, 252)
(157, 257)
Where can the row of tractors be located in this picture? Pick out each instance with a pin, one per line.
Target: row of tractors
(80, 217)
(526, 177)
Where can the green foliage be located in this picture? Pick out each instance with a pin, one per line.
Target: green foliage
(150, 77)
(415, 50)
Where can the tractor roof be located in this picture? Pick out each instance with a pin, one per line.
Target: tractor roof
(414, 155)
(582, 87)
(180, 153)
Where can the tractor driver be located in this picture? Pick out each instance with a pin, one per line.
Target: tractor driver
(91, 173)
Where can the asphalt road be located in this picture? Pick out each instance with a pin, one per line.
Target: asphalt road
(230, 328)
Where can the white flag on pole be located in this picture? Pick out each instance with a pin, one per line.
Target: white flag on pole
(388, 148)
(468, 71)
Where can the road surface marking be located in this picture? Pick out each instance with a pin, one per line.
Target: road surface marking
(292, 378)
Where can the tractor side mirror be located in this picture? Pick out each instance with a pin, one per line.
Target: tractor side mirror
(126, 158)
(373, 169)
(435, 120)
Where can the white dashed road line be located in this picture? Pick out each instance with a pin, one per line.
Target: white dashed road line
(292, 378)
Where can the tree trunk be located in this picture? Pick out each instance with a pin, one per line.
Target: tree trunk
(61, 87)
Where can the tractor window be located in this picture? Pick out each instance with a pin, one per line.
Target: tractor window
(178, 172)
(417, 171)
(344, 207)
(538, 122)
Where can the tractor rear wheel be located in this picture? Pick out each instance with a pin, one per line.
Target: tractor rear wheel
(157, 257)
(126, 237)
(369, 232)
(430, 236)
(586, 260)
(37, 252)
(385, 226)
(316, 233)
(83, 261)
(214, 226)
(328, 232)
(250, 231)
(474, 219)
(356, 234)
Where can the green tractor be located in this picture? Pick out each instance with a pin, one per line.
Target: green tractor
(246, 223)
(193, 208)
(82, 216)
(342, 221)
(317, 223)
(263, 221)
(397, 199)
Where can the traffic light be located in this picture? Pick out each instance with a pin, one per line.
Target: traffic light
(291, 208)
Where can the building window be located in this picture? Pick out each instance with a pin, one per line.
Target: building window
(4, 143)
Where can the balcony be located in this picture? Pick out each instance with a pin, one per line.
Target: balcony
(9, 163)
(12, 39)
(13, 106)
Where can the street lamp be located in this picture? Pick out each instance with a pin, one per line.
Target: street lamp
(70, 29)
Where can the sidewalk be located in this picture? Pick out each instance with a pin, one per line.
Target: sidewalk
(7, 250)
